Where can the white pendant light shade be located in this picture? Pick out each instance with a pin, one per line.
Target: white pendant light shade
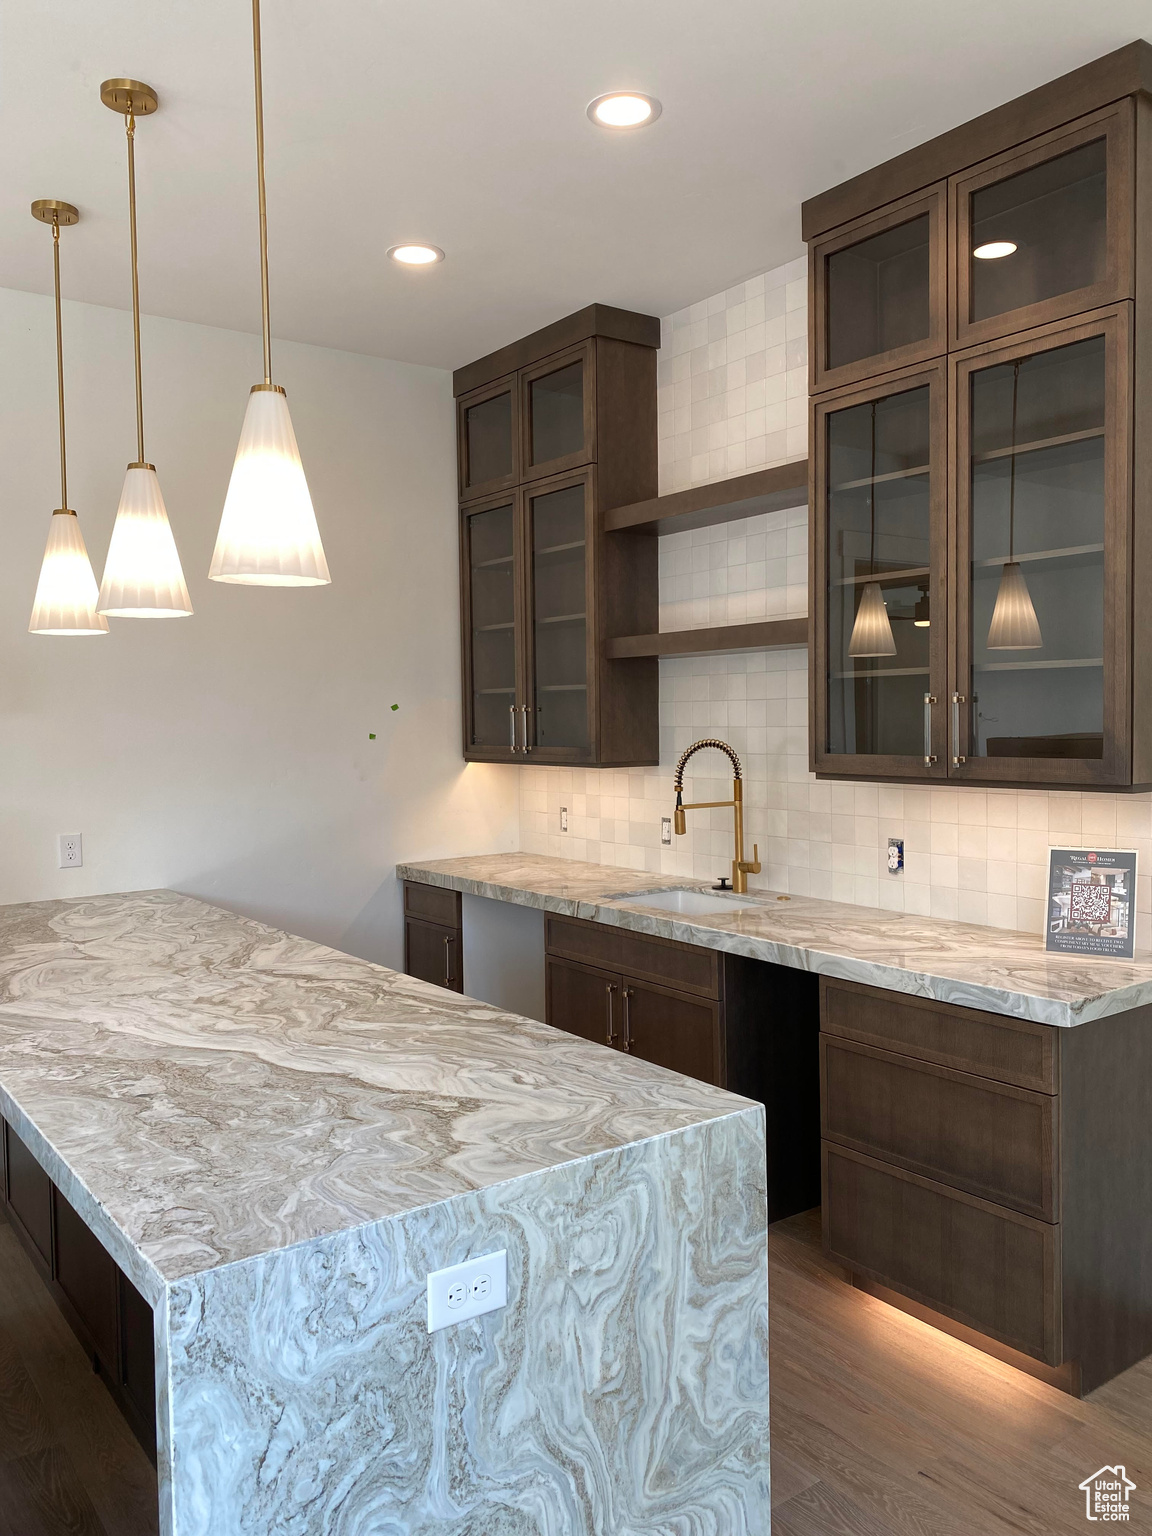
(268, 535)
(872, 631)
(65, 602)
(1014, 625)
(143, 578)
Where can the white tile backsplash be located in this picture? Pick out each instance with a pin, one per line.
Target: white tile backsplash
(733, 385)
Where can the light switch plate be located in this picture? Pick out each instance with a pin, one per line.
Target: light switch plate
(563, 818)
(467, 1290)
(666, 831)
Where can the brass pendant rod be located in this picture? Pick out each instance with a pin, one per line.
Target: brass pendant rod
(1012, 469)
(130, 130)
(256, 58)
(60, 362)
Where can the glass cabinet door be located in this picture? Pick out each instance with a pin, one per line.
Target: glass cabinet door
(491, 654)
(1045, 232)
(880, 608)
(556, 411)
(558, 518)
(878, 287)
(1041, 599)
(487, 438)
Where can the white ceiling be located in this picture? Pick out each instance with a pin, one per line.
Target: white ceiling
(463, 122)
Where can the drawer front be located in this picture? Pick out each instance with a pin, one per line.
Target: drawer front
(432, 903)
(993, 1269)
(29, 1192)
(685, 967)
(989, 1044)
(989, 1138)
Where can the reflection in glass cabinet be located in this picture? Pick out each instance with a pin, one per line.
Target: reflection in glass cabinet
(488, 447)
(559, 618)
(879, 575)
(1040, 233)
(492, 604)
(1037, 555)
(878, 293)
(556, 403)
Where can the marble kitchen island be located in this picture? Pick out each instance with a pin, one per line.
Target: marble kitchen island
(277, 1143)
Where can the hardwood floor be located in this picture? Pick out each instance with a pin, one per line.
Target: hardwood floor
(881, 1426)
(69, 1465)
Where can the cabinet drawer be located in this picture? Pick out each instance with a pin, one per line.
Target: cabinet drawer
(433, 903)
(683, 966)
(989, 1044)
(990, 1268)
(29, 1192)
(992, 1139)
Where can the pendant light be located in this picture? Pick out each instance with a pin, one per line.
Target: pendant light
(872, 631)
(143, 578)
(65, 602)
(1014, 625)
(268, 535)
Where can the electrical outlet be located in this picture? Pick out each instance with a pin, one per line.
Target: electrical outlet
(70, 850)
(666, 831)
(895, 855)
(563, 818)
(467, 1290)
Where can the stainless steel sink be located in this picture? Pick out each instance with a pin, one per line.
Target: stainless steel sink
(687, 903)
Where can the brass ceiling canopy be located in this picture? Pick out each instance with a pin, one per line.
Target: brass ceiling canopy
(129, 96)
(50, 210)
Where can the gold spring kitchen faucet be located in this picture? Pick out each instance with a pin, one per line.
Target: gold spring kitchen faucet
(741, 868)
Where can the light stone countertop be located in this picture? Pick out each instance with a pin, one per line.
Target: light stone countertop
(990, 968)
(205, 1089)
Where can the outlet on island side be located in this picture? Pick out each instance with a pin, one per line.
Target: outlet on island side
(467, 1290)
(70, 850)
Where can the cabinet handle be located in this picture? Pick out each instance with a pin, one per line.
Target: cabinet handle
(525, 710)
(512, 728)
(627, 1041)
(929, 755)
(609, 988)
(448, 977)
(957, 700)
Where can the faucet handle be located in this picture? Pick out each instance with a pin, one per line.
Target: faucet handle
(752, 867)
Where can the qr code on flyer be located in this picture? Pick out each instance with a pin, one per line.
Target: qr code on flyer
(1090, 903)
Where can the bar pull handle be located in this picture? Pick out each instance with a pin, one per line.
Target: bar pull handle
(929, 755)
(610, 1037)
(957, 700)
(525, 710)
(627, 1040)
(512, 728)
(448, 976)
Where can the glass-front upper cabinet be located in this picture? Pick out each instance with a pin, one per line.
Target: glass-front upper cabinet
(492, 650)
(878, 292)
(556, 412)
(1042, 675)
(487, 431)
(1045, 231)
(879, 596)
(560, 670)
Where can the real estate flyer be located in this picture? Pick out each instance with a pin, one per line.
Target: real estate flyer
(1091, 901)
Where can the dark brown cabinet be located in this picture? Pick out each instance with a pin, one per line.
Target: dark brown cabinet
(543, 588)
(107, 1313)
(433, 936)
(739, 1024)
(975, 615)
(987, 1169)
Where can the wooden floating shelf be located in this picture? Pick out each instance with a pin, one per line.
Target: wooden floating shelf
(721, 501)
(766, 635)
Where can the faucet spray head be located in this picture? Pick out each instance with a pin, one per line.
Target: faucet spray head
(678, 820)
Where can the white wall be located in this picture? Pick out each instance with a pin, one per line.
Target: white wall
(979, 856)
(227, 755)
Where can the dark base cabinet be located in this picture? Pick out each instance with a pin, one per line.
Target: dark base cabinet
(741, 1024)
(994, 1173)
(433, 937)
(102, 1306)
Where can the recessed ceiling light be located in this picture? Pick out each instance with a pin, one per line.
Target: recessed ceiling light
(994, 249)
(624, 109)
(411, 255)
